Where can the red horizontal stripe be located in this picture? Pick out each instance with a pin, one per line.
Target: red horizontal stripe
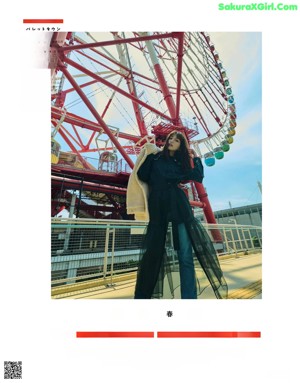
(114, 334)
(208, 334)
(43, 21)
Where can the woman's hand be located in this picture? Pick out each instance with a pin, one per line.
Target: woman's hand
(192, 153)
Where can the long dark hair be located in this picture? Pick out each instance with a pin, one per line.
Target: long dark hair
(182, 154)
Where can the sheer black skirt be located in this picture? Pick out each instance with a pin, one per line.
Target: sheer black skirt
(158, 271)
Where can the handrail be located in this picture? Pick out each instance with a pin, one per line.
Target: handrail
(129, 223)
(83, 249)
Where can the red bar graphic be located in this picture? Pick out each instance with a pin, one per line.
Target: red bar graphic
(114, 334)
(209, 334)
(43, 21)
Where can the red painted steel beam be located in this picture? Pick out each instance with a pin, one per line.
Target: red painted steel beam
(163, 83)
(179, 74)
(118, 63)
(206, 102)
(79, 138)
(102, 116)
(75, 120)
(86, 124)
(116, 42)
(115, 71)
(93, 150)
(70, 135)
(81, 86)
(137, 112)
(87, 207)
(93, 175)
(197, 204)
(72, 147)
(96, 115)
(165, 91)
(197, 112)
(208, 210)
(55, 95)
(132, 89)
(69, 183)
(114, 87)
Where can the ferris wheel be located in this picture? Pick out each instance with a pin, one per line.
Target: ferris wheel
(113, 92)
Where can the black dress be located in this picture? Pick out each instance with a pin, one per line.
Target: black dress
(158, 271)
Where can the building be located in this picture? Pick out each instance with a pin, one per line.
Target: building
(243, 215)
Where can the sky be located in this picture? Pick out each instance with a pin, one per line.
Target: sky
(234, 178)
(232, 181)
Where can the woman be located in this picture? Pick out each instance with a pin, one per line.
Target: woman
(167, 203)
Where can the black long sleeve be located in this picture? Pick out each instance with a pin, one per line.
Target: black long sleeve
(145, 169)
(195, 174)
(169, 170)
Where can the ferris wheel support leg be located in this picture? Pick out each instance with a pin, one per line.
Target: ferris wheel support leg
(161, 80)
(179, 74)
(125, 61)
(210, 218)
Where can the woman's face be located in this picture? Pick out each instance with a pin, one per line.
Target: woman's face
(173, 143)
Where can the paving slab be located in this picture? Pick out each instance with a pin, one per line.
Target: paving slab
(243, 274)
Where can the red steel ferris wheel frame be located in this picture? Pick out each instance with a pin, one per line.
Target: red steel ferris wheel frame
(60, 52)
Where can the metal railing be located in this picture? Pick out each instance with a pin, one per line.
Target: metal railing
(86, 249)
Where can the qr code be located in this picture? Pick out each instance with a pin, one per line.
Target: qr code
(12, 370)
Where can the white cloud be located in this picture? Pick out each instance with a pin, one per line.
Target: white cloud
(249, 120)
(240, 52)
